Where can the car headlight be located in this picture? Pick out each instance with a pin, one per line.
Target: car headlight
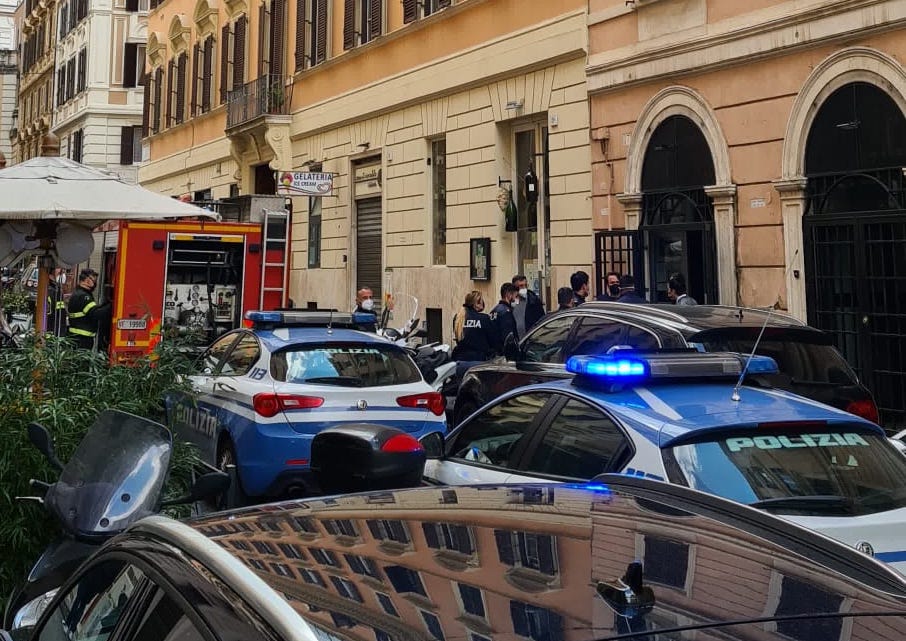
(28, 615)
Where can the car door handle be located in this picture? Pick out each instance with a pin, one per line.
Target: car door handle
(224, 386)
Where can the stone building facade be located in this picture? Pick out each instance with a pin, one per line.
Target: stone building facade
(8, 75)
(759, 147)
(423, 113)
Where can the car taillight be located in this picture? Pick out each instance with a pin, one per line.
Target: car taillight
(865, 408)
(433, 401)
(401, 443)
(268, 404)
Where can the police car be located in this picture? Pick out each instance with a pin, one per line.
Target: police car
(684, 418)
(263, 392)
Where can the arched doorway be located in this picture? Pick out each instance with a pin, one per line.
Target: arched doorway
(854, 232)
(677, 217)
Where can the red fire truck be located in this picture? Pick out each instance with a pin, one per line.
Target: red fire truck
(198, 277)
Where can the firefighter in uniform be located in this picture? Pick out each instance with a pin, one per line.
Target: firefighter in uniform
(85, 315)
(56, 305)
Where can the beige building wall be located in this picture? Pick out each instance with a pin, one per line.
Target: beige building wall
(752, 75)
(8, 87)
(449, 75)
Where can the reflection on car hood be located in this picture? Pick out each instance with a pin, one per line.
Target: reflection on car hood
(540, 562)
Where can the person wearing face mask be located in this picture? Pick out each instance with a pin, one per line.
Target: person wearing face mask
(475, 334)
(528, 308)
(503, 317)
(364, 305)
(85, 315)
(611, 287)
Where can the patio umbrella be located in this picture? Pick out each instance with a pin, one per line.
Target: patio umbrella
(48, 206)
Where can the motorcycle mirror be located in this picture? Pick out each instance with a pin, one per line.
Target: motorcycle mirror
(43, 442)
(205, 486)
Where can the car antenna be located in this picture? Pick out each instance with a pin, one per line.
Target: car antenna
(735, 395)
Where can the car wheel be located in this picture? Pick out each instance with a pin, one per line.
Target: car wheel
(226, 456)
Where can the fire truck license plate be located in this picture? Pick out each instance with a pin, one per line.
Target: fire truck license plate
(132, 323)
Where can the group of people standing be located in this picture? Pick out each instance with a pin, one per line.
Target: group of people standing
(480, 336)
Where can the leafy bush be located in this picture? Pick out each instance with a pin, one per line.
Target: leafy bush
(65, 388)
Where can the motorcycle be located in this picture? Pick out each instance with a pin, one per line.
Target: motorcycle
(114, 478)
(434, 360)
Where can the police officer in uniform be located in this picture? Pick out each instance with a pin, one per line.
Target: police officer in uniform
(503, 316)
(56, 305)
(475, 334)
(85, 315)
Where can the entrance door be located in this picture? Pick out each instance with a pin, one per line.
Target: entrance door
(369, 265)
(857, 292)
(533, 202)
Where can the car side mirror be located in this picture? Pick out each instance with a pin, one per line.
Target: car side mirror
(433, 444)
(43, 442)
(511, 348)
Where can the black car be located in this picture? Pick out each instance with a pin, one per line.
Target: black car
(620, 558)
(809, 363)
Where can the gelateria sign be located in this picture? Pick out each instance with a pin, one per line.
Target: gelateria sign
(304, 183)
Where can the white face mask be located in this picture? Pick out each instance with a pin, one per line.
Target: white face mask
(61, 278)
(368, 304)
(523, 292)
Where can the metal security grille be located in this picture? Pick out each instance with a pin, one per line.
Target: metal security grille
(617, 251)
(369, 268)
(855, 234)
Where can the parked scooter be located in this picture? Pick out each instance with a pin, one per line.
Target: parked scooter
(114, 478)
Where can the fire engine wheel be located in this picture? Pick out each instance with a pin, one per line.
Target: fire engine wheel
(226, 455)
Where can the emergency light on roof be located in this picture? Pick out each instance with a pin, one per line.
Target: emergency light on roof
(301, 318)
(641, 367)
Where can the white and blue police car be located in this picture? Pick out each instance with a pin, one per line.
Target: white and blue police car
(685, 418)
(263, 392)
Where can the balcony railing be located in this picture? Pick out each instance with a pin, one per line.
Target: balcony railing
(268, 95)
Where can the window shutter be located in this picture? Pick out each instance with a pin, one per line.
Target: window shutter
(410, 10)
(146, 106)
(131, 5)
(158, 90)
(239, 52)
(348, 24)
(64, 19)
(207, 74)
(300, 34)
(70, 78)
(264, 50)
(278, 36)
(130, 62)
(83, 9)
(196, 69)
(181, 64)
(225, 51)
(61, 85)
(377, 21)
(83, 70)
(320, 52)
(171, 91)
(126, 145)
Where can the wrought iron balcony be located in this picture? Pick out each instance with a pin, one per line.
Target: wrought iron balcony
(268, 95)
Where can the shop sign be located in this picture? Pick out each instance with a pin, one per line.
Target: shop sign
(305, 183)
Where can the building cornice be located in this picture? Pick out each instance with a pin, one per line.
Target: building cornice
(754, 35)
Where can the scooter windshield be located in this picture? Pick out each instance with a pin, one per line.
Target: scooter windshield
(114, 478)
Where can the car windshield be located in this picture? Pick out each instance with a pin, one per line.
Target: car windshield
(803, 356)
(348, 365)
(806, 470)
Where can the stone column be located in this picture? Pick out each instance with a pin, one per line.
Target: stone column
(632, 209)
(792, 203)
(723, 199)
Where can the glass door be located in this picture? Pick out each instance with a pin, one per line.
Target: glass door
(530, 189)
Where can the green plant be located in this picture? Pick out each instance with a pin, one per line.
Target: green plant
(64, 388)
(14, 298)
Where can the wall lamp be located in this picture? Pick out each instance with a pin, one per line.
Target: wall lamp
(363, 146)
(514, 105)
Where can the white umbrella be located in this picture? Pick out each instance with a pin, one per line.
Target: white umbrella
(64, 199)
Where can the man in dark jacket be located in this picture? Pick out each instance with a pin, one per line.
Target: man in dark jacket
(627, 291)
(529, 309)
(56, 305)
(502, 315)
(85, 315)
(579, 283)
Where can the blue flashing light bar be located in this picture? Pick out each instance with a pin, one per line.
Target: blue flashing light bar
(304, 318)
(635, 368)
